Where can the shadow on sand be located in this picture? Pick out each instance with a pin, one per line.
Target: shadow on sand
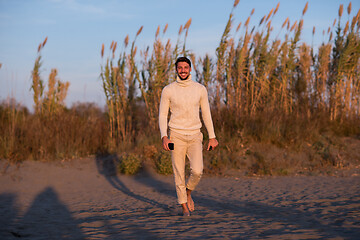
(106, 166)
(46, 218)
(289, 218)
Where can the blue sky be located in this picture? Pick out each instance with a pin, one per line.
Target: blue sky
(77, 28)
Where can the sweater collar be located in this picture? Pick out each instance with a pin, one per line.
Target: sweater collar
(183, 83)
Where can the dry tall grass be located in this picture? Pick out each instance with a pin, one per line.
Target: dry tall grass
(53, 100)
(53, 131)
(263, 89)
(76, 132)
(280, 91)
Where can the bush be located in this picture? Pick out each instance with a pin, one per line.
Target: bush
(129, 164)
(163, 163)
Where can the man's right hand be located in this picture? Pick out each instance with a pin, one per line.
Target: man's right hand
(165, 143)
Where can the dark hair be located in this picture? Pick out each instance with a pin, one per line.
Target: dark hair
(182, 59)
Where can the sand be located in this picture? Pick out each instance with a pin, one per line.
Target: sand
(84, 199)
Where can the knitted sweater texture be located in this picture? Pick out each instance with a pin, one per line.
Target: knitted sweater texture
(185, 98)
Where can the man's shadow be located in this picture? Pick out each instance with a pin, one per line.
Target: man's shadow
(46, 218)
(107, 166)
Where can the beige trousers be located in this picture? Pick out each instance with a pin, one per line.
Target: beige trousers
(190, 146)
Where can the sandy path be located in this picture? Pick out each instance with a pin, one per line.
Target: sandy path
(82, 199)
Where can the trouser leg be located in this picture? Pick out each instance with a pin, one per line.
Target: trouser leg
(178, 164)
(195, 155)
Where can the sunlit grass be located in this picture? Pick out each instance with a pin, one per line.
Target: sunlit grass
(263, 89)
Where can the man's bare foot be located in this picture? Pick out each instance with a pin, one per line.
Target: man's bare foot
(190, 202)
(185, 209)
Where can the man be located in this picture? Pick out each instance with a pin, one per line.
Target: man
(185, 98)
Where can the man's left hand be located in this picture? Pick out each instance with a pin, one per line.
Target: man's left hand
(213, 143)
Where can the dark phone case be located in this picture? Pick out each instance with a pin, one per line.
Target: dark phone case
(171, 146)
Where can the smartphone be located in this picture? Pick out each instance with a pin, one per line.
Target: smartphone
(210, 148)
(171, 146)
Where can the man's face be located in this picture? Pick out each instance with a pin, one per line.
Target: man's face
(183, 70)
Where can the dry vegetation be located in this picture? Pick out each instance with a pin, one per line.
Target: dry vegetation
(279, 105)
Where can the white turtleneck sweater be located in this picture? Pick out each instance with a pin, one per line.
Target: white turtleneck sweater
(185, 98)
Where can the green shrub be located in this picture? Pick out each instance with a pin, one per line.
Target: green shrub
(129, 164)
(163, 163)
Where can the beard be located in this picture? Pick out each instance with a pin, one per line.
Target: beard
(187, 76)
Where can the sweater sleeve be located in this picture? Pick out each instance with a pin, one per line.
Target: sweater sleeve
(163, 112)
(206, 114)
